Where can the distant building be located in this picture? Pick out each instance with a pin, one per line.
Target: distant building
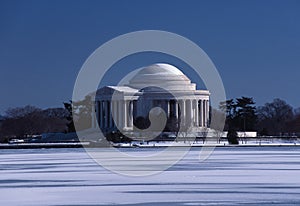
(153, 86)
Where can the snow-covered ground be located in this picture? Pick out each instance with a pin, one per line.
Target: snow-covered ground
(221, 143)
(231, 176)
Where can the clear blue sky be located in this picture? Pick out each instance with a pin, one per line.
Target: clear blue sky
(255, 45)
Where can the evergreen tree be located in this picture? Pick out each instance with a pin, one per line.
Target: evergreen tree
(240, 114)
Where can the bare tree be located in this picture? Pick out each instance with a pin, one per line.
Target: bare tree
(217, 135)
(186, 130)
(274, 116)
(203, 133)
(19, 112)
(29, 120)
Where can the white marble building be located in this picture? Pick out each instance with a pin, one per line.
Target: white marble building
(158, 85)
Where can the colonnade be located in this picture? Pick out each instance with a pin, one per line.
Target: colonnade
(192, 112)
(116, 112)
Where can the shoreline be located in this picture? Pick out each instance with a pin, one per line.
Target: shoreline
(44, 145)
(151, 145)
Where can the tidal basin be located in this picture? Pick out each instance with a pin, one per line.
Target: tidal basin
(230, 176)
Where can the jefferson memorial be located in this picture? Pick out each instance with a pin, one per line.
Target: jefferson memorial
(161, 86)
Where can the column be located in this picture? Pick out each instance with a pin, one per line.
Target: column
(182, 111)
(168, 108)
(115, 113)
(196, 113)
(104, 114)
(98, 113)
(101, 114)
(93, 115)
(193, 111)
(207, 113)
(176, 109)
(204, 113)
(120, 114)
(125, 113)
(201, 113)
(130, 111)
(110, 117)
(108, 114)
(189, 113)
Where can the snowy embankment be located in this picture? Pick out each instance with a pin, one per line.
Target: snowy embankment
(154, 144)
(221, 143)
(44, 145)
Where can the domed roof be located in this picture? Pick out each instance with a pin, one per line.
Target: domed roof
(161, 75)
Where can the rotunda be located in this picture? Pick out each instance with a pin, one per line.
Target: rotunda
(159, 85)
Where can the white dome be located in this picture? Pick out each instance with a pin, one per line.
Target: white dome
(161, 75)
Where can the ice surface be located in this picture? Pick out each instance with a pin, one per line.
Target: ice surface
(231, 176)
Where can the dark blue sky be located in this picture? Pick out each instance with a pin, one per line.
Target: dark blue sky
(255, 45)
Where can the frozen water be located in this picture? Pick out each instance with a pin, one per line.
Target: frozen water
(231, 176)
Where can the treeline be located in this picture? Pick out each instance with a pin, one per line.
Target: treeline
(275, 118)
(22, 122)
